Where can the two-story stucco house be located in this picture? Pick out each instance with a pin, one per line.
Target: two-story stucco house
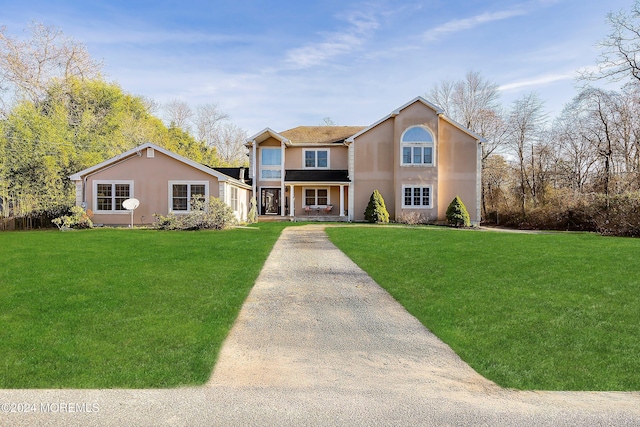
(416, 156)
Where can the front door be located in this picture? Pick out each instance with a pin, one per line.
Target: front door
(270, 201)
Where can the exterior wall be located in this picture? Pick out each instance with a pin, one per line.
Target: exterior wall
(377, 164)
(150, 178)
(374, 159)
(338, 156)
(458, 173)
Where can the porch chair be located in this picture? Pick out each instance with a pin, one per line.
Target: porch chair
(328, 209)
(307, 209)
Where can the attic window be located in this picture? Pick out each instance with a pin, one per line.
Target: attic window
(150, 153)
(417, 147)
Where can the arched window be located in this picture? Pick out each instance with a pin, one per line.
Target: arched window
(417, 147)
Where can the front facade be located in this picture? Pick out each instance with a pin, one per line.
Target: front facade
(162, 181)
(302, 172)
(417, 158)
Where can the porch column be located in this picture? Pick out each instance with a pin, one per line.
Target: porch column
(292, 201)
(341, 200)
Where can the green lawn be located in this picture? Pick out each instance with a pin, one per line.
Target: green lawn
(109, 308)
(548, 311)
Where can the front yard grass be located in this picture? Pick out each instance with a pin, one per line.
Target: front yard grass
(110, 308)
(537, 312)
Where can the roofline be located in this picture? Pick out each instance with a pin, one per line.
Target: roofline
(221, 177)
(480, 138)
(252, 139)
(439, 111)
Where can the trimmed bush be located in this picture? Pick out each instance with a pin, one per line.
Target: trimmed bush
(376, 210)
(204, 215)
(457, 213)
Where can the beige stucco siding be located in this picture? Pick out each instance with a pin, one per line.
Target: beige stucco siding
(373, 168)
(338, 156)
(458, 168)
(150, 178)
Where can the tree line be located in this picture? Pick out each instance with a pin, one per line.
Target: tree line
(579, 171)
(58, 115)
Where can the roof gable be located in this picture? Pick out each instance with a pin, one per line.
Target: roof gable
(439, 111)
(136, 150)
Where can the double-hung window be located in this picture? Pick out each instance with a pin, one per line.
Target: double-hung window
(316, 159)
(183, 193)
(109, 195)
(270, 163)
(417, 147)
(414, 196)
(316, 196)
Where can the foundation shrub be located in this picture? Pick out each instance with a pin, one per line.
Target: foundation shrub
(376, 210)
(213, 214)
(457, 214)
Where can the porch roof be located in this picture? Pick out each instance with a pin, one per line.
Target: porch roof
(316, 175)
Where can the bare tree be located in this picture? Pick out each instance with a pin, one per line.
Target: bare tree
(327, 121)
(28, 66)
(208, 120)
(620, 48)
(602, 117)
(576, 154)
(467, 101)
(524, 124)
(229, 142)
(178, 114)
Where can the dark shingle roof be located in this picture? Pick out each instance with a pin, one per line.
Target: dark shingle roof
(235, 173)
(314, 175)
(320, 134)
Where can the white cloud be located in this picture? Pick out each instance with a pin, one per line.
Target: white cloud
(537, 81)
(457, 25)
(361, 26)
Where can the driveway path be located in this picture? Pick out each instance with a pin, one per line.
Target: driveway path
(318, 342)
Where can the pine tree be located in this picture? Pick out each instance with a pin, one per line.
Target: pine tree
(376, 210)
(457, 213)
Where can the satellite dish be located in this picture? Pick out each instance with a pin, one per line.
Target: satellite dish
(131, 204)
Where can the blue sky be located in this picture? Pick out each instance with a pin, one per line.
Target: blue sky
(286, 63)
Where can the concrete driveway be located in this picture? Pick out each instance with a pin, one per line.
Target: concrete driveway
(319, 343)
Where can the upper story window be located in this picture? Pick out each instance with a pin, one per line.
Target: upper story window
(181, 193)
(316, 159)
(270, 163)
(417, 147)
(109, 195)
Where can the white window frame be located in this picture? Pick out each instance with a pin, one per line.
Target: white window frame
(413, 189)
(315, 189)
(315, 159)
(188, 183)
(421, 146)
(277, 167)
(113, 183)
